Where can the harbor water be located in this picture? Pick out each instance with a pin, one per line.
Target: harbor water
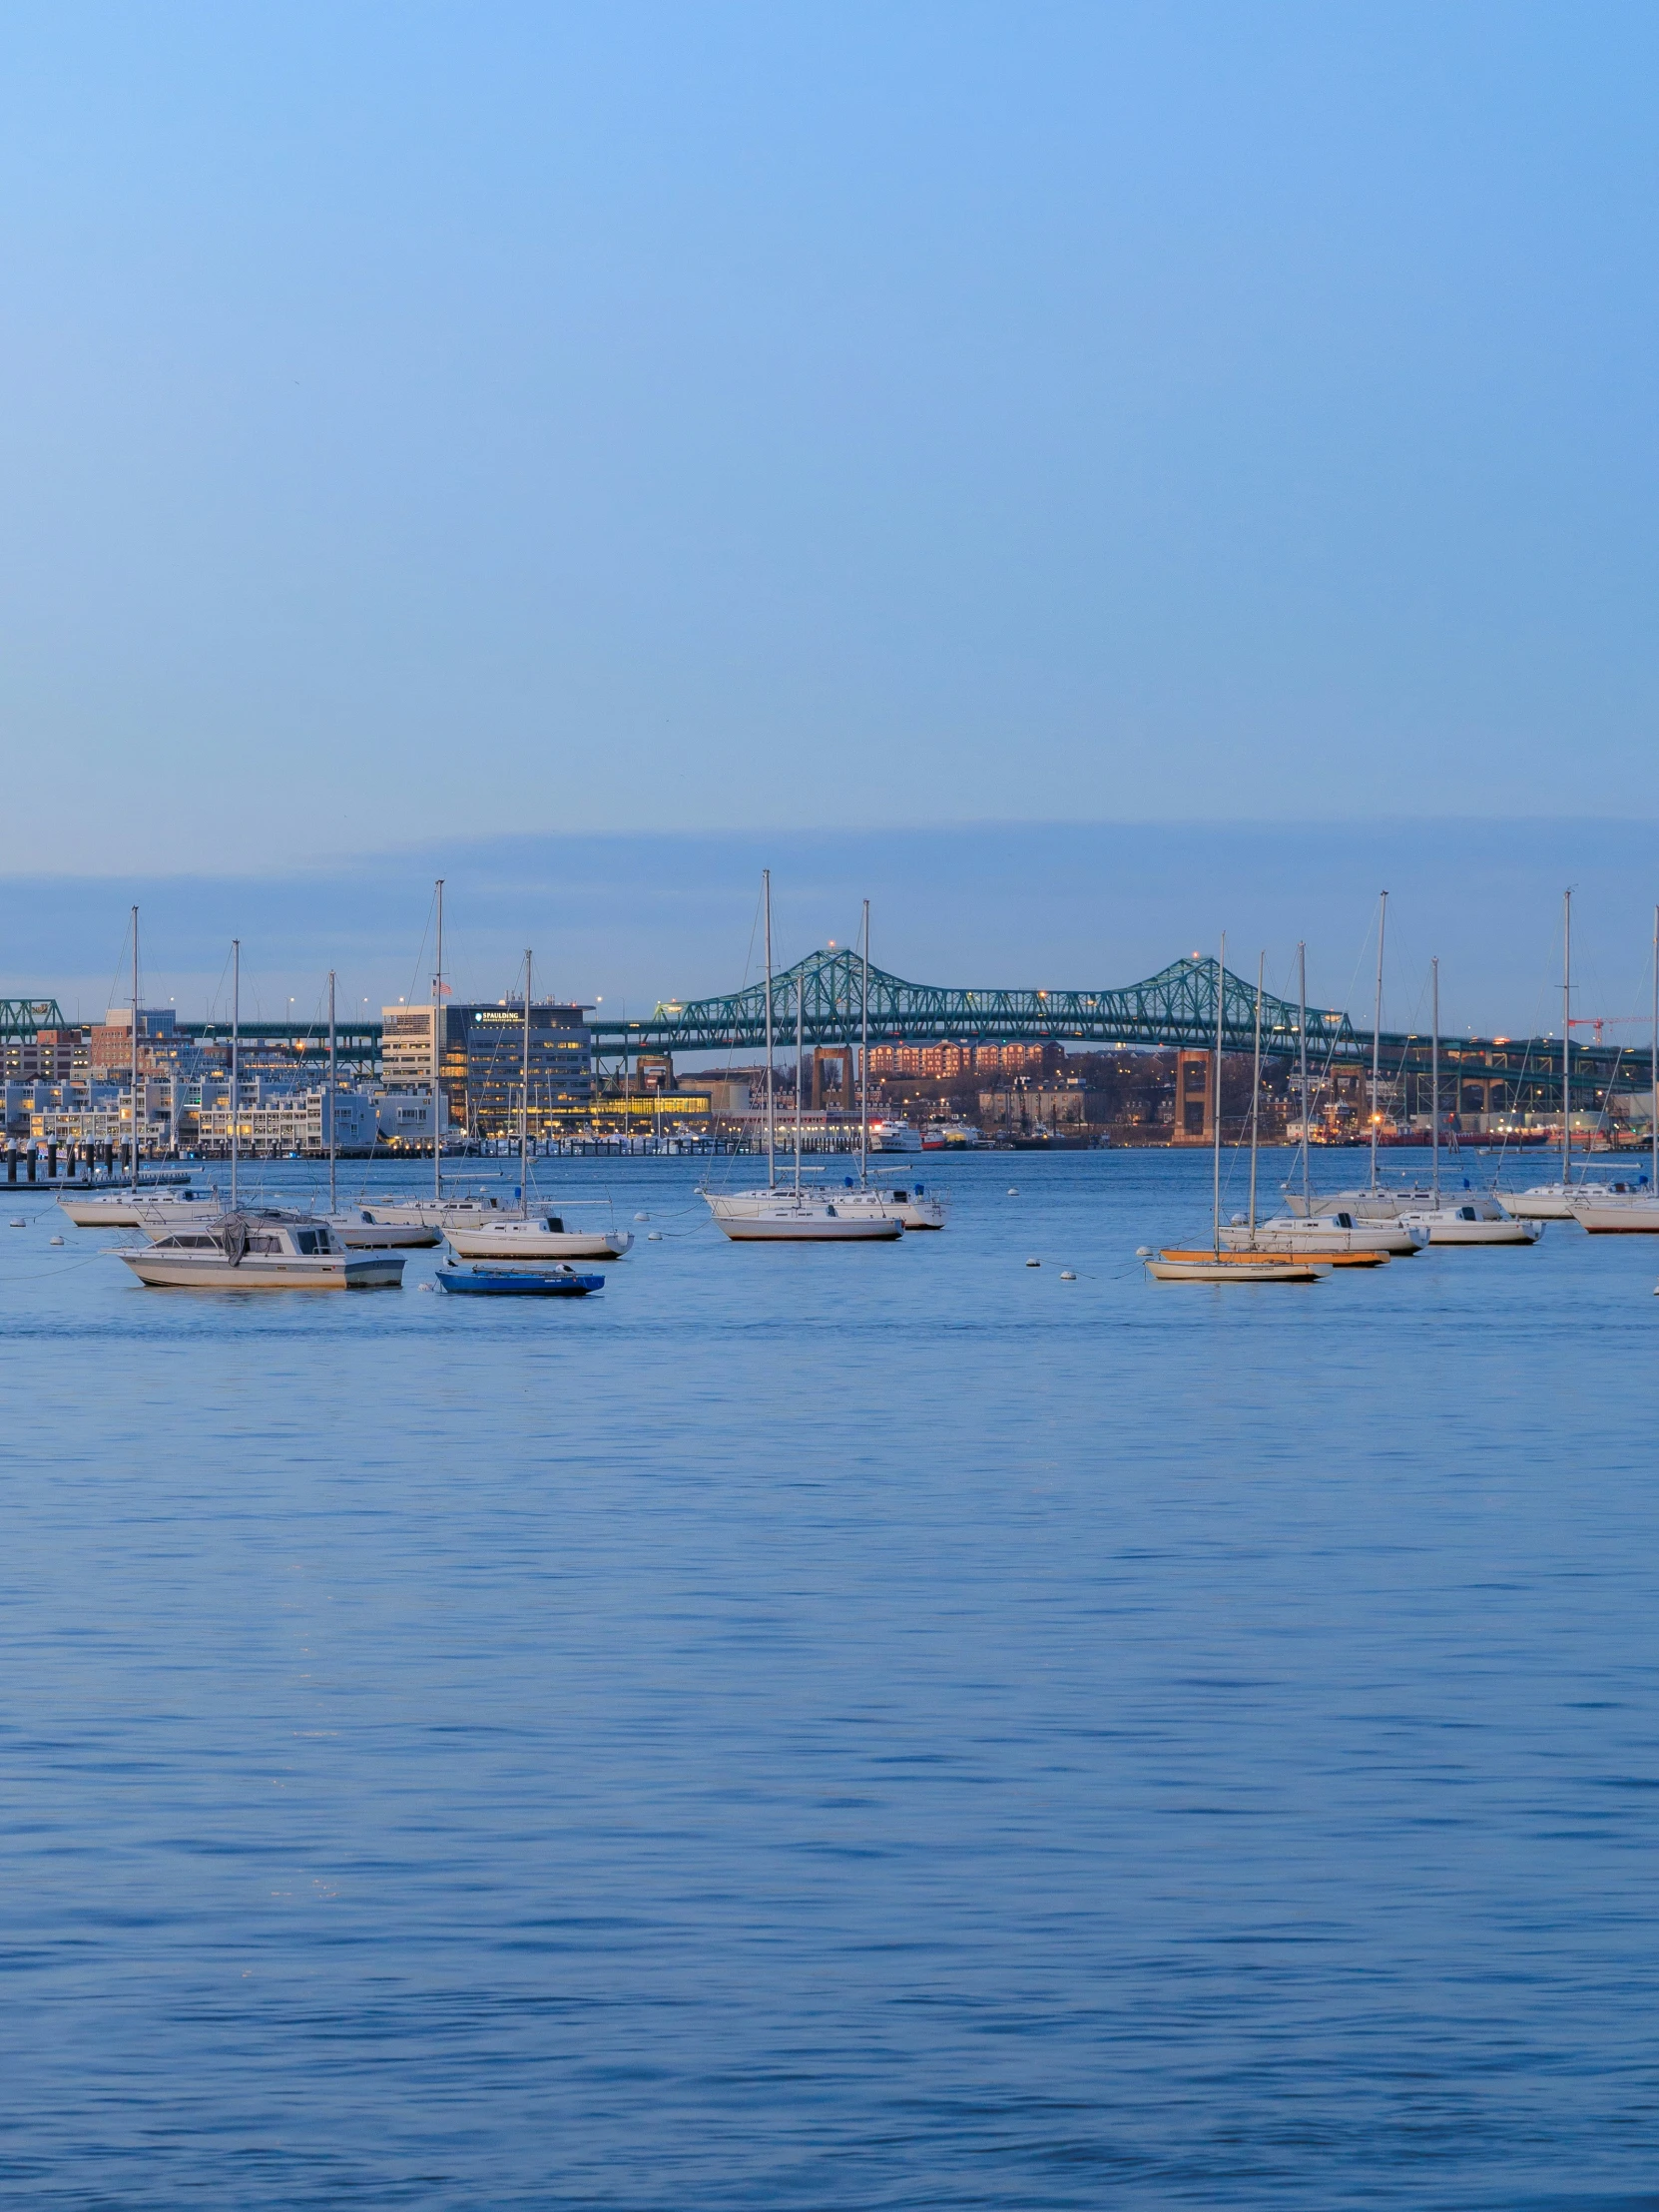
(835, 1726)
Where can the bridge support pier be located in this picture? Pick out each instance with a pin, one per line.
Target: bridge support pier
(1195, 1098)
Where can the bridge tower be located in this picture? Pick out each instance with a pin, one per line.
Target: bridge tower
(834, 1077)
(1195, 1099)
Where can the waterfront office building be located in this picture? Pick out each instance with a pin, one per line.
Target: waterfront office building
(476, 1054)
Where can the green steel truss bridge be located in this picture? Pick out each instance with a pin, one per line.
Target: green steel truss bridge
(26, 1017)
(1175, 1006)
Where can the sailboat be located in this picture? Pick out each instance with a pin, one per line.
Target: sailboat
(537, 1236)
(1332, 1235)
(1555, 1201)
(797, 1216)
(1221, 1264)
(1619, 1209)
(1474, 1220)
(914, 1205)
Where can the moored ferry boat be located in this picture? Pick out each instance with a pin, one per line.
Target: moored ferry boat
(894, 1136)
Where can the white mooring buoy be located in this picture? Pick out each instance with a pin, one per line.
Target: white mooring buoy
(1067, 1276)
(1033, 1262)
(654, 1237)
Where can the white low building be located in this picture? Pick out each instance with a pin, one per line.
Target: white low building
(295, 1121)
(405, 1117)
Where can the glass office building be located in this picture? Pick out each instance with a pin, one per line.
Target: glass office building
(477, 1053)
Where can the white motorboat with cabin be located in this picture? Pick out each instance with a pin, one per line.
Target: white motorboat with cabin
(259, 1251)
(857, 1214)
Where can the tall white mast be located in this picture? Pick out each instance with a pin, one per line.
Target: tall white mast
(771, 1119)
(1653, 1174)
(864, 1062)
(1566, 1038)
(135, 1052)
(1255, 1095)
(524, 1103)
(800, 1029)
(1221, 994)
(1302, 1031)
(1434, 1081)
(235, 1042)
(333, 1095)
(438, 1034)
(1376, 1038)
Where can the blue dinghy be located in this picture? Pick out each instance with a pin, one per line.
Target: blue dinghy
(517, 1282)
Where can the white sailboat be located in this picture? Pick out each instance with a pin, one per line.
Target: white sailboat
(1555, 1201)
(530, 1236)
(133, 1210)
(1472, 1220)
(1623, 1208)
(798, 1216)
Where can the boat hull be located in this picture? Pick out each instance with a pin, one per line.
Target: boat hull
(105, 1213)
(811, 1227)
(1546, 1204)
(517, 1282)
(1377, 1241)
(506, 1240)
(912, 1209)
(202, 1271)
(1210, 1266)
(436, 1212)
(1483, 1232)
(1637, 1218)
(365, 1231)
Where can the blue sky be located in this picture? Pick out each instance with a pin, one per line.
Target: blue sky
(422, 425)
(633, 917)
